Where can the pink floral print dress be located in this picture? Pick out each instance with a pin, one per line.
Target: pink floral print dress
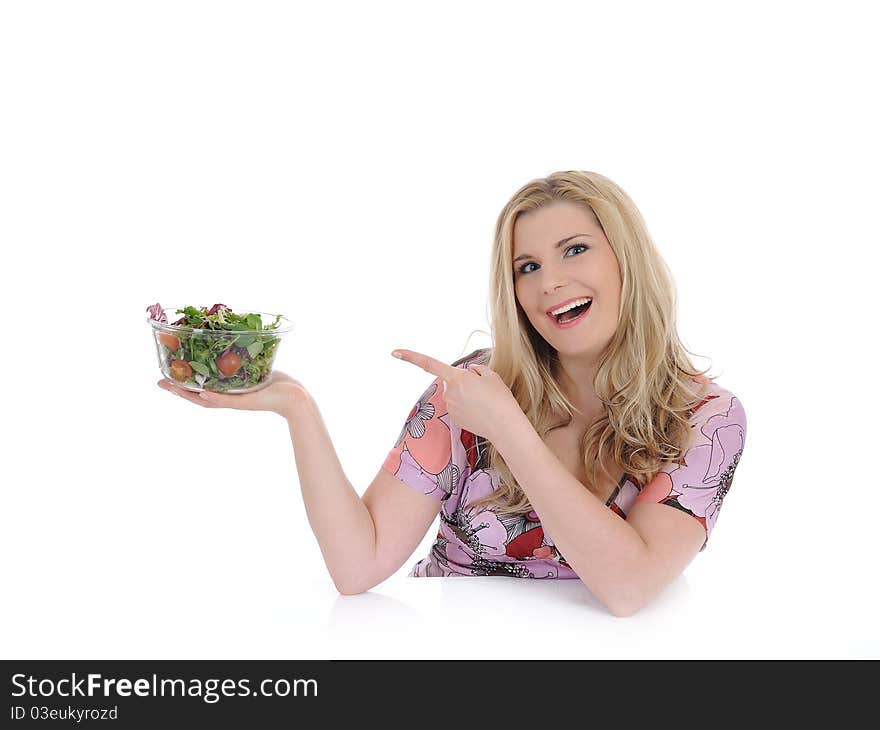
(437, 458)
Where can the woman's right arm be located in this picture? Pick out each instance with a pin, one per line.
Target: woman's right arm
(340, 520)
(363, 541)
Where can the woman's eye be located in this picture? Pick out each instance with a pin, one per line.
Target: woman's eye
(522, 269)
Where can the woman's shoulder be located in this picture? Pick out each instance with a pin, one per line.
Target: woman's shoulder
(716, 399)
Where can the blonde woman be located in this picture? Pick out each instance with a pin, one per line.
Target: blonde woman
(584, 444)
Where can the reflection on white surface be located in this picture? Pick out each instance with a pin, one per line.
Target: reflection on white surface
(373, 611)
(556, 596)
(510, 618)
(457, 618)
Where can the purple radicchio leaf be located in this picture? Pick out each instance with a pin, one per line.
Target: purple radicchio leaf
(157, 313)
(213, 310)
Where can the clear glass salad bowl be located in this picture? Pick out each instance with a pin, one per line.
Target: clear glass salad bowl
(235, 356)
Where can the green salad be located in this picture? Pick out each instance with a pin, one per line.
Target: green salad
(238, 358)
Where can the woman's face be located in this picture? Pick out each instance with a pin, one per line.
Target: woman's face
(560, 253)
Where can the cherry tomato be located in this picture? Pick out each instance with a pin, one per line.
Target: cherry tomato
(181, 370)
(170, 341)
(229, 363)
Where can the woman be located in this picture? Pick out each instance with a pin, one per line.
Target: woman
(557, 453)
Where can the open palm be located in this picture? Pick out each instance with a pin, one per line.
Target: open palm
(277, 396)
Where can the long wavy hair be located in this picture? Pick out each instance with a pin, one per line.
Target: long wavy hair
(645, 379)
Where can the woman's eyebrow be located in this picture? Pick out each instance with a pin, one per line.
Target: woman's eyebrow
(558, 244)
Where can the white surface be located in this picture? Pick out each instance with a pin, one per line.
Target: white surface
(284, 158)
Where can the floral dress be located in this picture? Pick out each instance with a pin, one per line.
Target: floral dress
(435, 457)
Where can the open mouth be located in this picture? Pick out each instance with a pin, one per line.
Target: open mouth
(572, 316)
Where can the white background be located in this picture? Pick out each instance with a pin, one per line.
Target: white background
(344, 164)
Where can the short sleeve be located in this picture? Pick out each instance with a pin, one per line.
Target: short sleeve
(699, 482)
(429, 455)
(422, 456)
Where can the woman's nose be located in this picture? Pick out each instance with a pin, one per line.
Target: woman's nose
(552, 282)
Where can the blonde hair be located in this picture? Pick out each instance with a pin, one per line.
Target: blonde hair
(644, 374)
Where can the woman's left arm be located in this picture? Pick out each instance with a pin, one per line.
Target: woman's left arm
(624, 563)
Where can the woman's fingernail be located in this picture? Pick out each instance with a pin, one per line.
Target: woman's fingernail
(204, 395)
(396, 353)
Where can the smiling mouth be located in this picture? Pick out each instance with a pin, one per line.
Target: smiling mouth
(572, 314)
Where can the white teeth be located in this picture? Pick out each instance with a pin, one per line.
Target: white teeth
(572, 305)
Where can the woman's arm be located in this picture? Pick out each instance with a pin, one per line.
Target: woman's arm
(339, 518)
(624, 563)
(363, 540)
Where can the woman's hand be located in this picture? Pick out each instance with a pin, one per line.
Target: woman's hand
(278, 396)
(477, 398)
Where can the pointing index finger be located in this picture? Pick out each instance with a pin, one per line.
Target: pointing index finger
(429, 364)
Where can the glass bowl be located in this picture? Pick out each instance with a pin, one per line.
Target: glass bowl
(221, 360)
